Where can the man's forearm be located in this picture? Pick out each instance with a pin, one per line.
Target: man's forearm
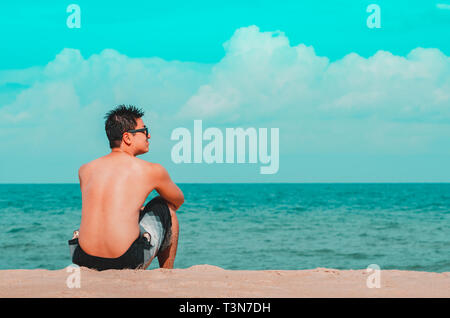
(177, 199)
(176, 205)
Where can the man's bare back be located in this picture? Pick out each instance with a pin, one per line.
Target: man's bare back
(114, 188)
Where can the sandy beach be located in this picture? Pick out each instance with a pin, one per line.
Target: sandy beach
(211, 281)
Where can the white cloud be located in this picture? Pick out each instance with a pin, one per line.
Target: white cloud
(384, 103)
(71, 83)
(443, 6)
(263, 75)
(62, 105)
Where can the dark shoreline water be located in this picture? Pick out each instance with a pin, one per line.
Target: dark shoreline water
(255, 225)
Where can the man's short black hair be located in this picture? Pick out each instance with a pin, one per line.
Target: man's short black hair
(119, 120)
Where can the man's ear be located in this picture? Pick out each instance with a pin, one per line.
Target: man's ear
(126, 139)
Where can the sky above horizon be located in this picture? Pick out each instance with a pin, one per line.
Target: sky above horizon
(352, 104)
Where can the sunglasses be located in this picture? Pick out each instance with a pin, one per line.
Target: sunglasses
(143, 130)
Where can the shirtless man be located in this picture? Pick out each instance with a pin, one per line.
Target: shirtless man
(116, 230)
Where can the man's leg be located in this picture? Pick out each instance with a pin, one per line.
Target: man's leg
(166, 258)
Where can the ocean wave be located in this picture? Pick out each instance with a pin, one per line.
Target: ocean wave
(17, 230)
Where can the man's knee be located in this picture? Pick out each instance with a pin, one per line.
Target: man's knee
(166, 213)
(155, 202)
(160, 208)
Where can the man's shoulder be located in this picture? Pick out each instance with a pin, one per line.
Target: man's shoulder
(149, 167)
(83, 168)
(87, 166)
(152, 166)
(154, 169)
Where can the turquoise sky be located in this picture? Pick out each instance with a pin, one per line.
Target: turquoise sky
(33, 32)
(345, 112)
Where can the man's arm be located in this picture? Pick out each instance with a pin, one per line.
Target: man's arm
(166, 188)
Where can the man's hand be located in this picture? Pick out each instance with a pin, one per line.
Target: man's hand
(171, 206)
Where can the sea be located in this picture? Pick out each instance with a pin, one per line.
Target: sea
(255, 226)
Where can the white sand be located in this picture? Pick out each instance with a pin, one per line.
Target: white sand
(212, 281)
